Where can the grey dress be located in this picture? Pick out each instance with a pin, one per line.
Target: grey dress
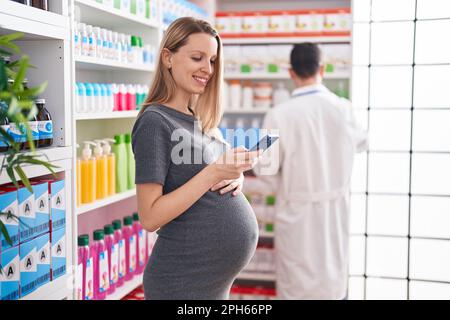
(199, 254)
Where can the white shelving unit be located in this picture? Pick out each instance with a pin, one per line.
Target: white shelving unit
(46, 41)
(89, 63)
(127, 287)
(278, 76)
(107, 115)
(282, 40)
(105, 202)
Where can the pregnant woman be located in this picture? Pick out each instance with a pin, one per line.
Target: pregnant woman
(188, 182)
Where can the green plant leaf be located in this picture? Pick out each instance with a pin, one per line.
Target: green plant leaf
(5, 95)
(12, 176)
(10, 37)
(23, 67)
(23, 177)
(5, 233)
(33, 92)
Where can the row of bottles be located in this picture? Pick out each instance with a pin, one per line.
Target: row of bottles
(96, 42)
(103, 174)
(40, 124)
(116, 255)
(99, 97)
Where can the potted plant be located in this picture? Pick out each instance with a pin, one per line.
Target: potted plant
(17, 107)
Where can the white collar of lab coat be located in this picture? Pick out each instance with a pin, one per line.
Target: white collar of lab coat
(312, 87)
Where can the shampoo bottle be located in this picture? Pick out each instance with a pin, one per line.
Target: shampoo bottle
(111, 159)
(102, 171)
(113, 256)
(101, 274)
(130, 247)
(88, 174)
(120, 151)
(120, 241)
(131, 167)
(141, 246)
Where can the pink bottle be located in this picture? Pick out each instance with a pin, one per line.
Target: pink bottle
(122, 97)
(113, 262)
(122, 271)
(131, 97)
(100, 257)
(141, 247)
(116, 96)
(130, 247)
(83, 257)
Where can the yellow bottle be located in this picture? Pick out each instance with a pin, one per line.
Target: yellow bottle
(78, 180)
(88, 174)
(111, 177)
(102, 171)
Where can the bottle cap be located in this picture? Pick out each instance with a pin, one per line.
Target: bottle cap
(118, 138)
(128, 221)
(39, 101)
(270, 200)
(99, 234)
(107, 146)
(134, 41)
(128, 138)
(109, 229)
(117, 224)
(135, 216)
(83, 240)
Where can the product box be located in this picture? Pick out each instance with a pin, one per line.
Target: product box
(42, 208)
(10, 274)
(8, 204)
(309, 22)
(26, 211)
(337, 21)
(57, 203)
(58, 258)
(43, 259)
(28, 267)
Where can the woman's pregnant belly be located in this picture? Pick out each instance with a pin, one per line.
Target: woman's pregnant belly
(217, 235)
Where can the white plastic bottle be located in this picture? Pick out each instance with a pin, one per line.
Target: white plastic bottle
(84, 39)
(235, 94)
(110, 98)
(99, 39)
(247, 96)
(92, 41)
(77, 39)
(81, 102)
(130, 56)
(281, 94)
(111, 45)
(123, 54)
(116, 46)
(90, 100)
(105, 46)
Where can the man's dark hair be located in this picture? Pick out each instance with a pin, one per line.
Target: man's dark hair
(306, 59)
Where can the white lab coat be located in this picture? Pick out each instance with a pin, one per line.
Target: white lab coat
(318, 140)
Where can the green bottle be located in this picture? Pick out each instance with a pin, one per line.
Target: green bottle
(117, 4)
(130, 160)
(133, 6)
(120, 151)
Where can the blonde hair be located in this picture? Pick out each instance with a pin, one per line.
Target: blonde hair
(207, 105)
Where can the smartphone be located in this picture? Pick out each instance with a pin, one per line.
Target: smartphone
(265, 142)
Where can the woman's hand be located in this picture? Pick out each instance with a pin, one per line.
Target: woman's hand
(230, 185)
(233, 163)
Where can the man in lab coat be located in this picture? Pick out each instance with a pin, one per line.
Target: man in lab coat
(313, 166)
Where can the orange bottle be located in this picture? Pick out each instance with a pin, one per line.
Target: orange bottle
(88, 174)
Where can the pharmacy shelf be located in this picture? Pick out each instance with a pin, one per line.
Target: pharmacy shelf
(107, 115)
(257, 276)
(34, 23)
(105, 202)
(58, 289)
(247, 111)
(127, 288)
(264, 234)
(59, 156)
(89, 63)
(282, 40)
(99, 14)
(278, 76)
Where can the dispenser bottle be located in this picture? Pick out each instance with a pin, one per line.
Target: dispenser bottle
(112, 248)
(111, 166)
(131, 167)
(141, 246)
(102, 171)
(130, 247)
(120, 151)
(88, 174)
(120, 241)
(101, 274)
(78, 180)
